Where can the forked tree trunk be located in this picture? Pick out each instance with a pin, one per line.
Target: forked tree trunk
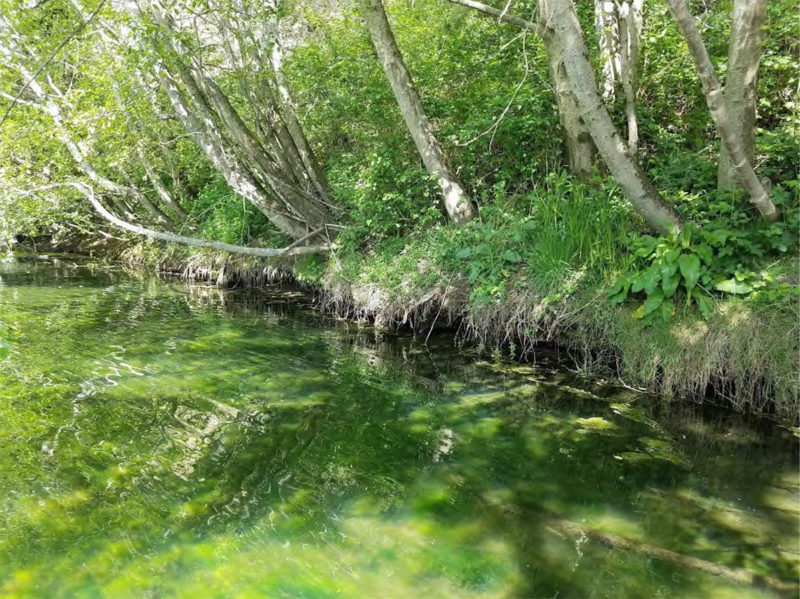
(744, 55)
(559, 20)
(239, 179)
(457, 204)
(719, 112)
(246, 163)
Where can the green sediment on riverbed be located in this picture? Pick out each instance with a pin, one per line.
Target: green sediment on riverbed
(174, 440)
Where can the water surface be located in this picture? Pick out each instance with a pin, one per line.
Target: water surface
(159, 440)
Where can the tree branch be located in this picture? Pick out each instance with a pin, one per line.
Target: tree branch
(286, 252)
(50, 58)
(501, 15)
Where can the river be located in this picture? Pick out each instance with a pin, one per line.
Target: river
(163, 440)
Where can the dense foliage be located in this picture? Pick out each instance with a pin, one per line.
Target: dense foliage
(488, 93)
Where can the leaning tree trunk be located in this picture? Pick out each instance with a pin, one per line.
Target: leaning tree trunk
(84, 164)
(719, 112)
(457, 204)
(204, 132)
(744, 55)
(229, 142)
(560, 21)
(289, 114)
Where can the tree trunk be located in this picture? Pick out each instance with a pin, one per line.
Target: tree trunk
(578, 145)
(580, 149)
(239, 179)
(560, 21)
(289, 114)
(457, 204)
(249, 165)
(719, 112)
(607, 26)
(50, 106)
(630, 32)
(744, 55)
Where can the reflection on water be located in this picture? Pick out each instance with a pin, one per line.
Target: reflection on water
(167, 441)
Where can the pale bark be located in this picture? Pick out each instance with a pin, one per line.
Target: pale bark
(239, 179)
(579, 147)
(289, 114)
(163, 193)
(456, 203)
(54, 110)
(607, 26)
(741, 79)
(293, 250)
(559, 18)
(271, 188)
(719, 112)
(630, 32)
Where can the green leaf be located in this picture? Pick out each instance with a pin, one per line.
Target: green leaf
(649, 305)
(671, 256)
(690, 269)
(733, 286)
(618, 298)
(668, 268)
(651, 277)
(646, 245)
(464, 253)
(670, 284)
(719, 236)
(705, 252)
(511, 256)
(705, 305)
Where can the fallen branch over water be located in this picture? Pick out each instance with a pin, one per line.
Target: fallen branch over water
(611, 540)
(292, 250)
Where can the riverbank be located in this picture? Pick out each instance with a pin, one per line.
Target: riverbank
(743, 356)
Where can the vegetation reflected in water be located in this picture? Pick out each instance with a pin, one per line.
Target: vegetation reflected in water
(164, 441)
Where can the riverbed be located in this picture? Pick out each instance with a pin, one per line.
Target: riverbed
(159, 439)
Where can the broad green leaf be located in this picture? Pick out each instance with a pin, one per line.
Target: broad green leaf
(651, 278)
(511, 256)
(670, 284)
(464, 253)
(690, 269)
(668, 268)
(705, 252)
(650, 304)
(733, 286)
(671, 256)
(653, 302)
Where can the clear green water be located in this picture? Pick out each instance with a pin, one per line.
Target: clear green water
(158, 441)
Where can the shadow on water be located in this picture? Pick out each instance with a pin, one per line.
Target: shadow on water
(161, 440)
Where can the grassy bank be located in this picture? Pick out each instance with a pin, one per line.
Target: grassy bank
(522, 278)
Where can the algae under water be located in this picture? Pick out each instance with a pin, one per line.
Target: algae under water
(163, 440)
